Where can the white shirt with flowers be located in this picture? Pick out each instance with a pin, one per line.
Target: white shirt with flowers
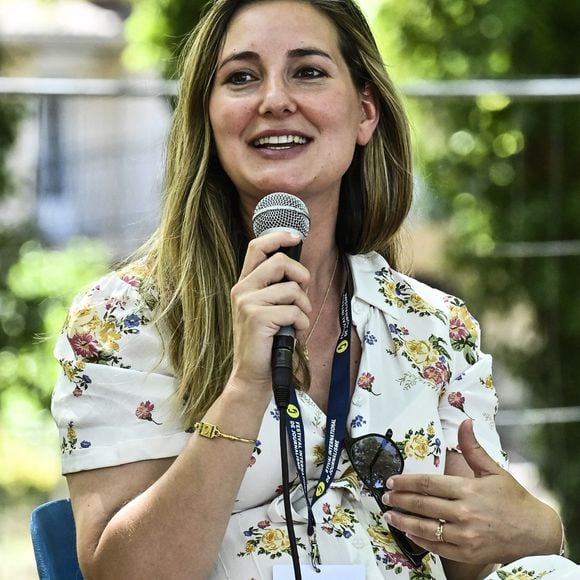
(421, 374)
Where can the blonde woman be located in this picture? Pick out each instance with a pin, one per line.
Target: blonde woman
(281, 95)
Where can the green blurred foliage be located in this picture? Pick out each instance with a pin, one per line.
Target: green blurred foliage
(505, 172)
(156, 30)
(36, 288)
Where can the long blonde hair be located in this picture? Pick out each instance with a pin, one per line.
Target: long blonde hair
(197, 251)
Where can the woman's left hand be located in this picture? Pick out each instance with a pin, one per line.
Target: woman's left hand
(476, 513)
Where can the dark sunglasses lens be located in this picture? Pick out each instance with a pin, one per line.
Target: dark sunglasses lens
(375, 458)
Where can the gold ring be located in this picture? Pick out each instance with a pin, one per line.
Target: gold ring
(439, 531)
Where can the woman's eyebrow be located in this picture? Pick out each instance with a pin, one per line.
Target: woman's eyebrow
(293, 53)
(244, 55)
(308, 51)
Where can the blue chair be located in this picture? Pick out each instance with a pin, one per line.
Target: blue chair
(53, 532)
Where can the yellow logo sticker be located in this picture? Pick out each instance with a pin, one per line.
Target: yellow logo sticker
(293, 411)
(320, 489)
(342, 346)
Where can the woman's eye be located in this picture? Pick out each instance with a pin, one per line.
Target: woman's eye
(240, 78)
(310, 72)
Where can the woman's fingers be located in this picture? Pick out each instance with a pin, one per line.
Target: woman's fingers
(423, 531)
(445, 486)
(422, 505)
(283, 304)
(264, 247)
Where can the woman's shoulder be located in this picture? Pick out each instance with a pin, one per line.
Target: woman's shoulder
(121, 287)
(104, 315)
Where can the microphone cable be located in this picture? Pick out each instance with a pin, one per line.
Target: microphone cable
(282, 398)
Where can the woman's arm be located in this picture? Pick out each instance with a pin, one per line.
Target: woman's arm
(489, 516)
(166, 518)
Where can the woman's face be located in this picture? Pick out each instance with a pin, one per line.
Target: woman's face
(284, 111)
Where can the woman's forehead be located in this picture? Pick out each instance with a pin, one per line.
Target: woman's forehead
(279, 24)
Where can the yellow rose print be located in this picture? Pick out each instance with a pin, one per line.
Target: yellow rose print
(109, 335)
(421, 352)
(318, 452)
(340, 517)
(421, 444)
(275, 540)
(265, 540)
(417, 447)
(487, 382)
(82, 320)
(250, 547)
(382, 537)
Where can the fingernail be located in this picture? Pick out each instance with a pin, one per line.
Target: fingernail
(390, 483)
(389, 517)
(387, 498)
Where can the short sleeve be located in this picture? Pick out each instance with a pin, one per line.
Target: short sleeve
(470, 393)
(114, 401)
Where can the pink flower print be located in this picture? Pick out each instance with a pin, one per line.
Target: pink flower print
(84, 345)
(436, 460)
(326, 508)
(255, 453)
(77, 391)
(457, 400)
(144, 411)
(398, 558)
(365, 381)
(131, 280)
(263, 524)
(437, 373)
(457, 329)
(327, 530)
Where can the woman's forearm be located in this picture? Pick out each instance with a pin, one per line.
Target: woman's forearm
(175, 527)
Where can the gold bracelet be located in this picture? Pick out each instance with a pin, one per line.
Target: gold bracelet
(211, 432)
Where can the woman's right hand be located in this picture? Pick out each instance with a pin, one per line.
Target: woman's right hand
(270, 294)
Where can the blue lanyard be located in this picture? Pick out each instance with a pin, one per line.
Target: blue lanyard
(338, 404)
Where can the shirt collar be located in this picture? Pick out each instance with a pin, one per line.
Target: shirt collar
(364, 270)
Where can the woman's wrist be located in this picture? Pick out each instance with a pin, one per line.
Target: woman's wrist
(244, 396)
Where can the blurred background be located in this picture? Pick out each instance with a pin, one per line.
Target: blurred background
(493, 92)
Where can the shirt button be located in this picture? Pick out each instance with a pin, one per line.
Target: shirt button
(358, 543)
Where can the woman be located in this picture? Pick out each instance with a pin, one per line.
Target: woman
(280, 95)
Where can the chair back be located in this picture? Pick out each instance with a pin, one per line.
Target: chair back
(53, 532)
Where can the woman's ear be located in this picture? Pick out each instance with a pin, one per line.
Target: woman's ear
(369, 114)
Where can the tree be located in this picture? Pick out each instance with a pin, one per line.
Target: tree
(156, 31)
(506, 172)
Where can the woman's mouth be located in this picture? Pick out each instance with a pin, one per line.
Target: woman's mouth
(280, 141)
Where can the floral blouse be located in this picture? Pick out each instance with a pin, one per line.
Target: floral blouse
(421, 374)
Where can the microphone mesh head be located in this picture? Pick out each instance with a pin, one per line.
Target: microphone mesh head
(281, 211)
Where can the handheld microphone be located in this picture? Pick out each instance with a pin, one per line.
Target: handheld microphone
(282, 212)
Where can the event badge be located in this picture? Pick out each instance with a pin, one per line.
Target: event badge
(327, 572)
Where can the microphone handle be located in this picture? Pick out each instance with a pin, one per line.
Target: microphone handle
(283, 349)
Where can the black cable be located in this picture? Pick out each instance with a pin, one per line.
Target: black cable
(282, 407)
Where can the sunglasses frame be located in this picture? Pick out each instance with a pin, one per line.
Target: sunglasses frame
(412, 552)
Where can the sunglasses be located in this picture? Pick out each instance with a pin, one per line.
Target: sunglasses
(375, 458)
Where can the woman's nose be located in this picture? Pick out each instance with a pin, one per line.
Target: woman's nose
(276, 98)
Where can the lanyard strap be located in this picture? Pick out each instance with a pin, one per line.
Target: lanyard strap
(338, 404)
